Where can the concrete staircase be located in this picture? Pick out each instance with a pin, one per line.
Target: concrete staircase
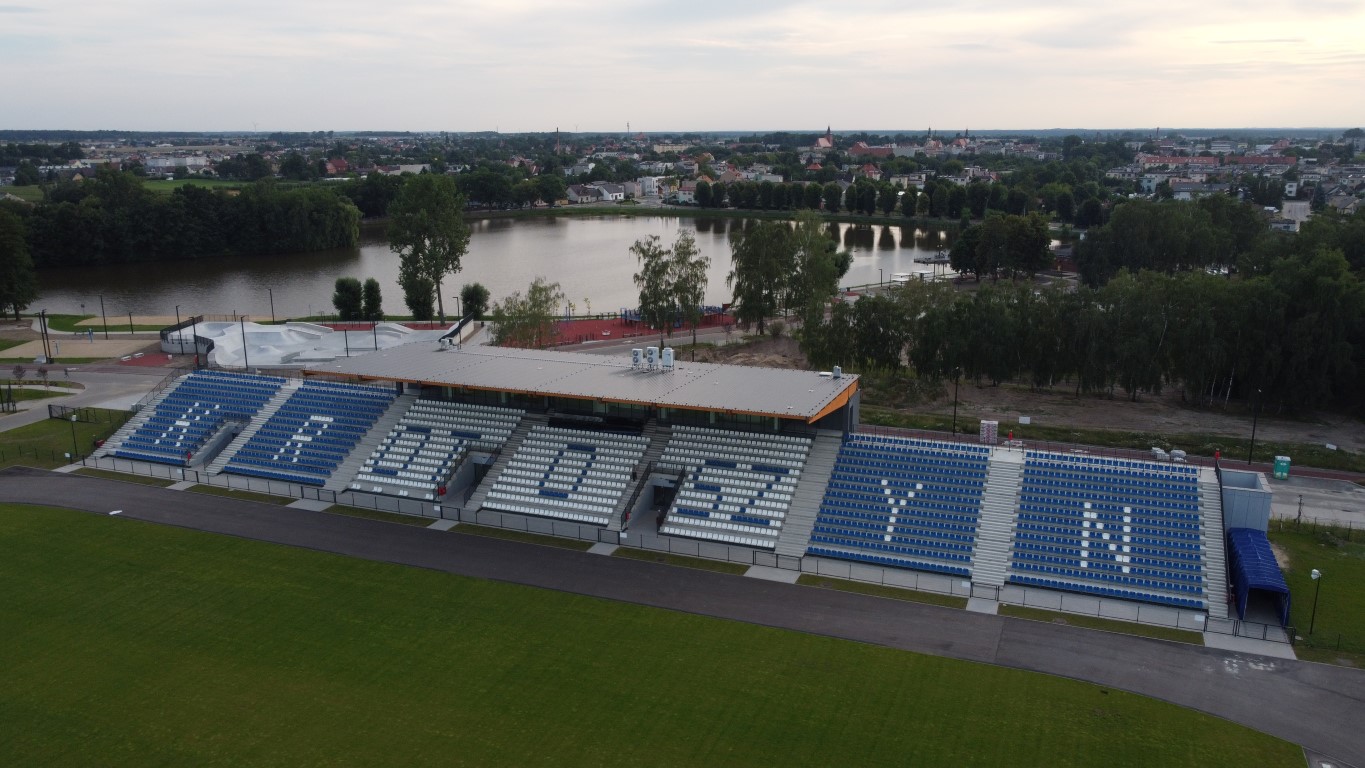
(148, 410)
(509, 449)
(995, 527)
(810, 492)
(1214, 544)
(261, 417)
(658, 440)
(347, 469)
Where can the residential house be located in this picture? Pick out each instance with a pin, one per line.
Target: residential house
(583, 193)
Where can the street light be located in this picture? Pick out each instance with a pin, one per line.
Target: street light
(880, 274)
(272, 305)
(1317, 579)
(1255, 411)
(104, 318)
(179, 332)
(246, 364)
(74, 450)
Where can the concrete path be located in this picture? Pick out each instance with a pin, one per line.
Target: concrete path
(772, 574)
(1249, 645)
(1314, 705)
(602, 548)
(442, 525)
(118, 390)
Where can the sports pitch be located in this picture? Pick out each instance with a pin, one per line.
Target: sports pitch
(128, 643)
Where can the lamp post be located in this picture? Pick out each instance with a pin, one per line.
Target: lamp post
(957, 379)
(74, 449)
(194, 339)
(1317, 579)
(246, 364)
(179, 332)
(104, 318)
(880, 276)
(272, 305)
(1255, 411)
(130, 323)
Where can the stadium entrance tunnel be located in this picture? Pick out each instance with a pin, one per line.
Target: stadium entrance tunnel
(1258, 585)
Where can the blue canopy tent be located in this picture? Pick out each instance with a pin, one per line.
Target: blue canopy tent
(1254, 568)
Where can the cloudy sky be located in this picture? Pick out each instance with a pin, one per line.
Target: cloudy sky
(529, 65)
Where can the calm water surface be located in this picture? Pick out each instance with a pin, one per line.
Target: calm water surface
(588, 257)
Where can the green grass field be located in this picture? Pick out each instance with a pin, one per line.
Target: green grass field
(1339, 629)
(44, 444)
(127, 643)
(1108, 625)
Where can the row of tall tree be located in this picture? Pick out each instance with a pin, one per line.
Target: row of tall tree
(779, 266)
(113, 218)
(1296, 334)
(1215, 232)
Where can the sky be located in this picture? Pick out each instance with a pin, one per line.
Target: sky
(704, 65)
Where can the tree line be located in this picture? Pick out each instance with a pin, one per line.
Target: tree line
(113, 219)
(1292, 330)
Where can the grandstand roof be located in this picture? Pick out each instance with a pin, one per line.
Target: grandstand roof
(782, 393)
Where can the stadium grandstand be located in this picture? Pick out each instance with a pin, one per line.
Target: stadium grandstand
(769, 460)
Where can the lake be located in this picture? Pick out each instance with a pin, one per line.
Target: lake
(588, 257)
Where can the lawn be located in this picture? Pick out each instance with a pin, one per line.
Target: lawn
(525, 537)
(125, 477)
(683, 561)
(374, 514)
(233, 493)
(1340, 621)
(880, 590)
(128, 643)
(44, 443)
(1108, 625)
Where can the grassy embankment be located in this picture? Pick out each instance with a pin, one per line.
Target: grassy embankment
(45, 444)
(1338, 629)
(214, 649)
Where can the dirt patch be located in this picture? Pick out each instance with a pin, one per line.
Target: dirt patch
(1281, 556)
(762, 353)
(1164, 413)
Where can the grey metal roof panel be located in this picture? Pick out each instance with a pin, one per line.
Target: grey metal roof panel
(708, 386)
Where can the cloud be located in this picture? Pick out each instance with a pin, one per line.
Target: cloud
(534, 64)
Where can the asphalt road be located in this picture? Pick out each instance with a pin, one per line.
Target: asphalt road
(1318, 706)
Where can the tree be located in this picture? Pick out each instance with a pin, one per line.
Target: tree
(655, 281)
(703, 194)
(527, 321)
(417, 294)
(818, 267)
(348, 298)
(689, 278)
(18, 280)
(26, 175)
(978, 196)
(428, 232)
(762, 257)
(886, 199)
(372, 305)
(833, 194)
(550, 188)
(1091, 214)
(812, 194)
(474, 297)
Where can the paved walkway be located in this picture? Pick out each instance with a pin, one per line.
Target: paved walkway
(117, 390)
(1314, 705)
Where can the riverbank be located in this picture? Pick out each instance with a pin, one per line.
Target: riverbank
(675, 211)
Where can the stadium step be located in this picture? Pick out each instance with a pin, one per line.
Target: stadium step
(995, 528)
(1215, 545)
(805, 507)
(345, 471)
(261, 417)
(509, 449)
(146, 412)
(658, 440)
